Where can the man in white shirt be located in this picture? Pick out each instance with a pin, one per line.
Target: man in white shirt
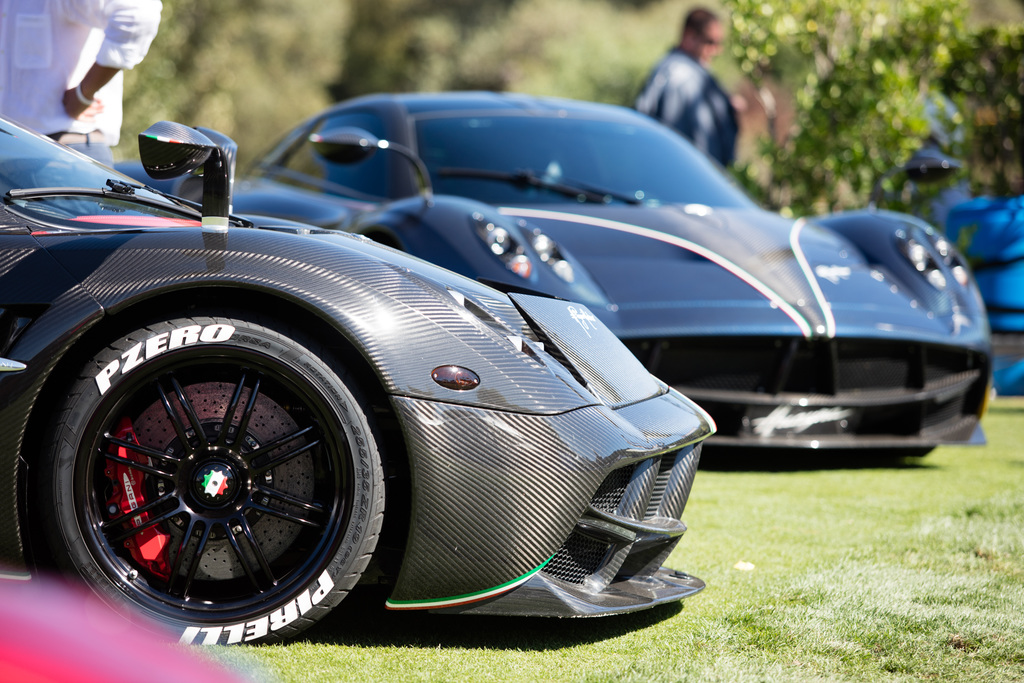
(61, 64)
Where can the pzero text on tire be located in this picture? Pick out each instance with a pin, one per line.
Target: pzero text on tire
(218, 474)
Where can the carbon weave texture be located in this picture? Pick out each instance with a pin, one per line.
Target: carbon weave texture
(610, 370)
(496, 495)
(40, 346)
(636, 496)
(385, 309)
(9, 259)
(680, 482)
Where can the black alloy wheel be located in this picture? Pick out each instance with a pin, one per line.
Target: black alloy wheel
(216, 474)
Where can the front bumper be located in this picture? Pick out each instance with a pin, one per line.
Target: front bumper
(554, 515)
(828, 393)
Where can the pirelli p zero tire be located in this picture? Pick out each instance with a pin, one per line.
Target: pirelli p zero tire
(220, 475)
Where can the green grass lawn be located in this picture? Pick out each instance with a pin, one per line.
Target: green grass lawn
(893, 571)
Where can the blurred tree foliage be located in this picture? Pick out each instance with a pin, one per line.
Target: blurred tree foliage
(985, 77)
(869, 70)
(584, 49)
(851, 76)
(249, 68)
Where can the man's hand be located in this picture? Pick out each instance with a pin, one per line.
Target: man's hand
(78, 109)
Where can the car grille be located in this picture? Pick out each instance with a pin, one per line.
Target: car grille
(642, 503)
(897, 388)
(577, 559)
(612, 489)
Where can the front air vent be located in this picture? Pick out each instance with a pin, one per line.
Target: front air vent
(660, 485)
(535, 332)
(641, 502)
(825, 367)
(612, 490)
(577, 559)
(12, 324)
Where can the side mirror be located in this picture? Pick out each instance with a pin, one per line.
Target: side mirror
(345, 145)
(349, 145)
(169, 150)
(928, 165)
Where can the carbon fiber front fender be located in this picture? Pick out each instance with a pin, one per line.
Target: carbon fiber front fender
(521, 482)
(404, 316)
(384, 306)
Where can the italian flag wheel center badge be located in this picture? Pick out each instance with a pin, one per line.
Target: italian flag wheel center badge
(215, 483)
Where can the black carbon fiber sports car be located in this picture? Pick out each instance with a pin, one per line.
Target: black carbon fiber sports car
(857, 330)
(226, 423)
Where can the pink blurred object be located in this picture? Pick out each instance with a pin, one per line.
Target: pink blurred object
(54, 633)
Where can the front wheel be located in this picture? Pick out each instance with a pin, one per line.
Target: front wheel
(217, 474)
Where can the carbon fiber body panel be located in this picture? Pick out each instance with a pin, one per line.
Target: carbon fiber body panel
(379, 304)
(521, 497)
(615, 374)
(544, 595)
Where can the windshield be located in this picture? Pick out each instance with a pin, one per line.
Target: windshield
(620, 159)
(80, 192)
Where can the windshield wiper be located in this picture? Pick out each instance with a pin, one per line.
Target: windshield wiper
(115, 189)
(527, 178)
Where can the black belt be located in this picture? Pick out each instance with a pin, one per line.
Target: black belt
(95, 137)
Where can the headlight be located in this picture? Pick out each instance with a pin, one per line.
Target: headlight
(548, 252)
(503, 244)
(923, 261)
(921, 253)
(951, 257)
(918, 255)
(507, 243)
(498, 239)
(544, 246)
(521, 265)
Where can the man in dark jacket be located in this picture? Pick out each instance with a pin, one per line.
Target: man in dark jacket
(681, 92)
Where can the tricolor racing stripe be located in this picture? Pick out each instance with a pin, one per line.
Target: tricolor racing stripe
(718, 259)
(466, 599)
(805, 266)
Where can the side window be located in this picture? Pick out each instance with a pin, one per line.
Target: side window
(364, 180)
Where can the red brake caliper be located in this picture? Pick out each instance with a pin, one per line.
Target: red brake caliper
(150, 547)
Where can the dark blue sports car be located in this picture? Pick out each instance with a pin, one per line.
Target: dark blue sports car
(855, 330)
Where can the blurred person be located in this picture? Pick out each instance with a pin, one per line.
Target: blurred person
(62, 63)
(681, 92)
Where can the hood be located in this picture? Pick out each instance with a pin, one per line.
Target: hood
(695, 270)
